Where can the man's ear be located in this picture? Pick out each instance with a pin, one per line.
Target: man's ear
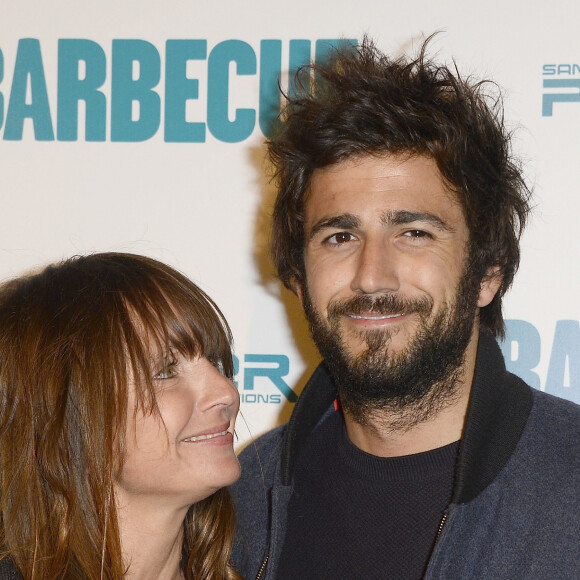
(489, 286)
(299, 291)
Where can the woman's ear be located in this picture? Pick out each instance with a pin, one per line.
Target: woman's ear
(489, 286)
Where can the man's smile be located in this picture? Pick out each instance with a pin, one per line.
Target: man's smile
(371, 316)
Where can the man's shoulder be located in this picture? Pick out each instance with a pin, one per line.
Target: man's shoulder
(260, 460)
(547, 458)
(268, 439)
(265, 448)
(528, 516)
(557, 410)
(555, 423)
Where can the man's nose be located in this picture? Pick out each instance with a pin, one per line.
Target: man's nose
(376, 267)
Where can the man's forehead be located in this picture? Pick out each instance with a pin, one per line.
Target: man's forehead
(404, 182)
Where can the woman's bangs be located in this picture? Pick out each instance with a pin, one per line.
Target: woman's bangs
(211, 334)
(188, 323)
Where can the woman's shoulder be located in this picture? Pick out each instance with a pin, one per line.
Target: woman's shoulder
(8, 570)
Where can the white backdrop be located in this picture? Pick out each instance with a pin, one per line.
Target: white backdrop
(165, 157)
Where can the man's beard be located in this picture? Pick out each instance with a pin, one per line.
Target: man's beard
(411, 385)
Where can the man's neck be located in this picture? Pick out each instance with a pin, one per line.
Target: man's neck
(394, 433)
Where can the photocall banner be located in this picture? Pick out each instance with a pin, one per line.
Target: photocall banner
(139, 127)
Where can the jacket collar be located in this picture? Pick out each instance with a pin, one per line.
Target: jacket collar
(498, 410)
(499, 406)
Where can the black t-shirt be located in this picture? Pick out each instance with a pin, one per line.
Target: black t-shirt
(353, 515)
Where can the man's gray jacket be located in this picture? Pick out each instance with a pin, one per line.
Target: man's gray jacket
(515, 509)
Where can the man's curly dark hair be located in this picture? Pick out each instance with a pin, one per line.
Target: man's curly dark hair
(361, 102)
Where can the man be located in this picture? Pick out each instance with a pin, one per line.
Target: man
(397, 225)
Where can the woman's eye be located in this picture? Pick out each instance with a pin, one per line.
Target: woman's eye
(218, 364)
(340, 238)
(169, 372)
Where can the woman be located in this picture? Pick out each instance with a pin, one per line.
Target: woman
(116, 424)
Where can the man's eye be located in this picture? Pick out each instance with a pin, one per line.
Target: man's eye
(417, 234)
(340, 238)
(169, 372)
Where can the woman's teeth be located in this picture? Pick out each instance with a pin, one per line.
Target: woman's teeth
(202, 437)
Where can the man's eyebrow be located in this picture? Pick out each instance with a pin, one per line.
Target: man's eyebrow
(403, 217)
(347, 221)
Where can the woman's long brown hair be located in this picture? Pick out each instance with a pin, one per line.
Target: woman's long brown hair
(72, 337)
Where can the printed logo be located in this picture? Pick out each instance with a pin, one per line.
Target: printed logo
(149, 91)
(522, 349)
(260, 378)
(561, 85)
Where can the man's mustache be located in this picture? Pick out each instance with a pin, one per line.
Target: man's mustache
(383, 304)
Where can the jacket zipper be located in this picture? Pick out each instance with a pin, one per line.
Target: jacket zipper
(437, 536)
(263, 566)
(440, 529)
